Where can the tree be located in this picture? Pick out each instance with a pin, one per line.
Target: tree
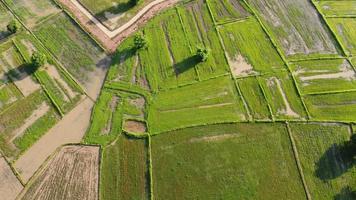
(140, 41)
(13, 26)
(203, 53)
(38, 59)
(134, 2)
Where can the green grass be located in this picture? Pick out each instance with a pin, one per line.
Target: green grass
(247, 38)
(320, 149)
(226, 161)
(345, 28)
(32, 12)
(253, 94)
(338, 8)
(228, 10)
(338, 106)
(8, 95)
(296, 27)
(312, 76)
(206, 102)
(124, 170)
(281, 94)
(74, 49)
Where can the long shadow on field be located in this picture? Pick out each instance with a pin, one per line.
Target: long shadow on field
(21, 72)
(186, 64)
(338, 159)
(346, 194)
(123, 55)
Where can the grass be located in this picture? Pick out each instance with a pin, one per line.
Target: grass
(345, 28)
(337, 8)
(282, 96)
(312, 76)
(124, 170)
(253, 94)
(296, 27)
(248, 39)
(228, 10)
(206, 102)
(320, 149)
(233, 161)
(32, 13)
(337, 106)
(5, 18)
(74, 49)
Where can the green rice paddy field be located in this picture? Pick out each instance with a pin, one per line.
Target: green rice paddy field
(269, 115)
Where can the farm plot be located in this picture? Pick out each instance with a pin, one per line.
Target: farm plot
(324, 75)
(75, 50)
(174, 63)
(324, 158)
(248, 48)
(5, 18)
(206, 102)
(345, 28)
(10, 186)
(338, 8)
(296, 27)
(33, 12)
(113, 13)
(126, 66)
(227, 158)
(124, 170)
(73, 173)
(228, 10)
(336, 106)
(63, 91)
(254, 97)
(282, 96)
(200, 31)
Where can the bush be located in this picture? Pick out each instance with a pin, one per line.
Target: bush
(134, 2)
(13, 26)
(203, 53)
(140, 41)
(38, 59)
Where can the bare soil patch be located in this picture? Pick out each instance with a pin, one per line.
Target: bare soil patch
(239, 66)
(214, 138)
(134, 126)
(70, 129)
(10, 186)
(73, 173)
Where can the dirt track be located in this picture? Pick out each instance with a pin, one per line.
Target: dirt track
(111, 39)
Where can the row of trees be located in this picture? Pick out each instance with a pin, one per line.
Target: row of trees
(140, 42)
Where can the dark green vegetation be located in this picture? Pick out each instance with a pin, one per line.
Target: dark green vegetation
(13, 26)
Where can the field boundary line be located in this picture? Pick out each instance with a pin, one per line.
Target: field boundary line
(314, 59)
(150, 166)
(299, 166)
(265, 97)
(233, 21)
(237, 87)
(281, 55)
(62, 68)
(329, 92)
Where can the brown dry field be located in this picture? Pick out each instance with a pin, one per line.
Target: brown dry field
(72, 173)
(10, 186)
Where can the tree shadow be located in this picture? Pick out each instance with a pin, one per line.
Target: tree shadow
(338, 159)
(186, 64)
(4, 34)
(21, 72)
(121, 56)
(346, 194)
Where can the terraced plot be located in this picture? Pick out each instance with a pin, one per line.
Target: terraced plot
(296, 27)
(345, 28)
(323, 155)
(228, 10)
(324, 75)
(228, 159)
(124, 170)
(338, 8)
(207, 102)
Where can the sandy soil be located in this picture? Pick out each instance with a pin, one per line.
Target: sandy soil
(288, 110)
(239, 66)
(10, 186)
(73, 173)
(70, 129)
(36, 114)
(134, 126)
(111, 39)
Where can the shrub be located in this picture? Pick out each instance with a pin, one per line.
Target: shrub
(140, 41)
(38, 59)
(13, 26)
(134, 2)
